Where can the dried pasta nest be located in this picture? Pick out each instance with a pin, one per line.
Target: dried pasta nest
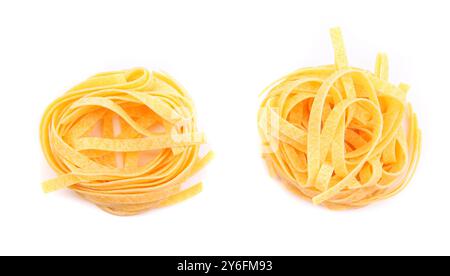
(126, 141)
(341, 136)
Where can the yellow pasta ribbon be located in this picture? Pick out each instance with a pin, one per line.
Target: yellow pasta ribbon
(340, 136)
(126, 141)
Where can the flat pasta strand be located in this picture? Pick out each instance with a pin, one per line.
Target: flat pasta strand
(124, 140)
(342, 137)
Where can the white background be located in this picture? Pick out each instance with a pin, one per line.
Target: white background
(224, 53)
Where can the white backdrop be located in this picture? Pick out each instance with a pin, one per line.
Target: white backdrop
(224, 53)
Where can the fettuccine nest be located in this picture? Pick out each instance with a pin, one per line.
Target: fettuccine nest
(126, 141)
(341, 136)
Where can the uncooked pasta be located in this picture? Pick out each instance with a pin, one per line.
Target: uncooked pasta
(341, 136)
(126, 141)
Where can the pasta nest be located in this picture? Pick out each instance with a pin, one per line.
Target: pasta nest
(124, 140)
(341, 136)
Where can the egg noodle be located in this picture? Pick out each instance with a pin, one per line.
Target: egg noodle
(126, 141)
(341, 136)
